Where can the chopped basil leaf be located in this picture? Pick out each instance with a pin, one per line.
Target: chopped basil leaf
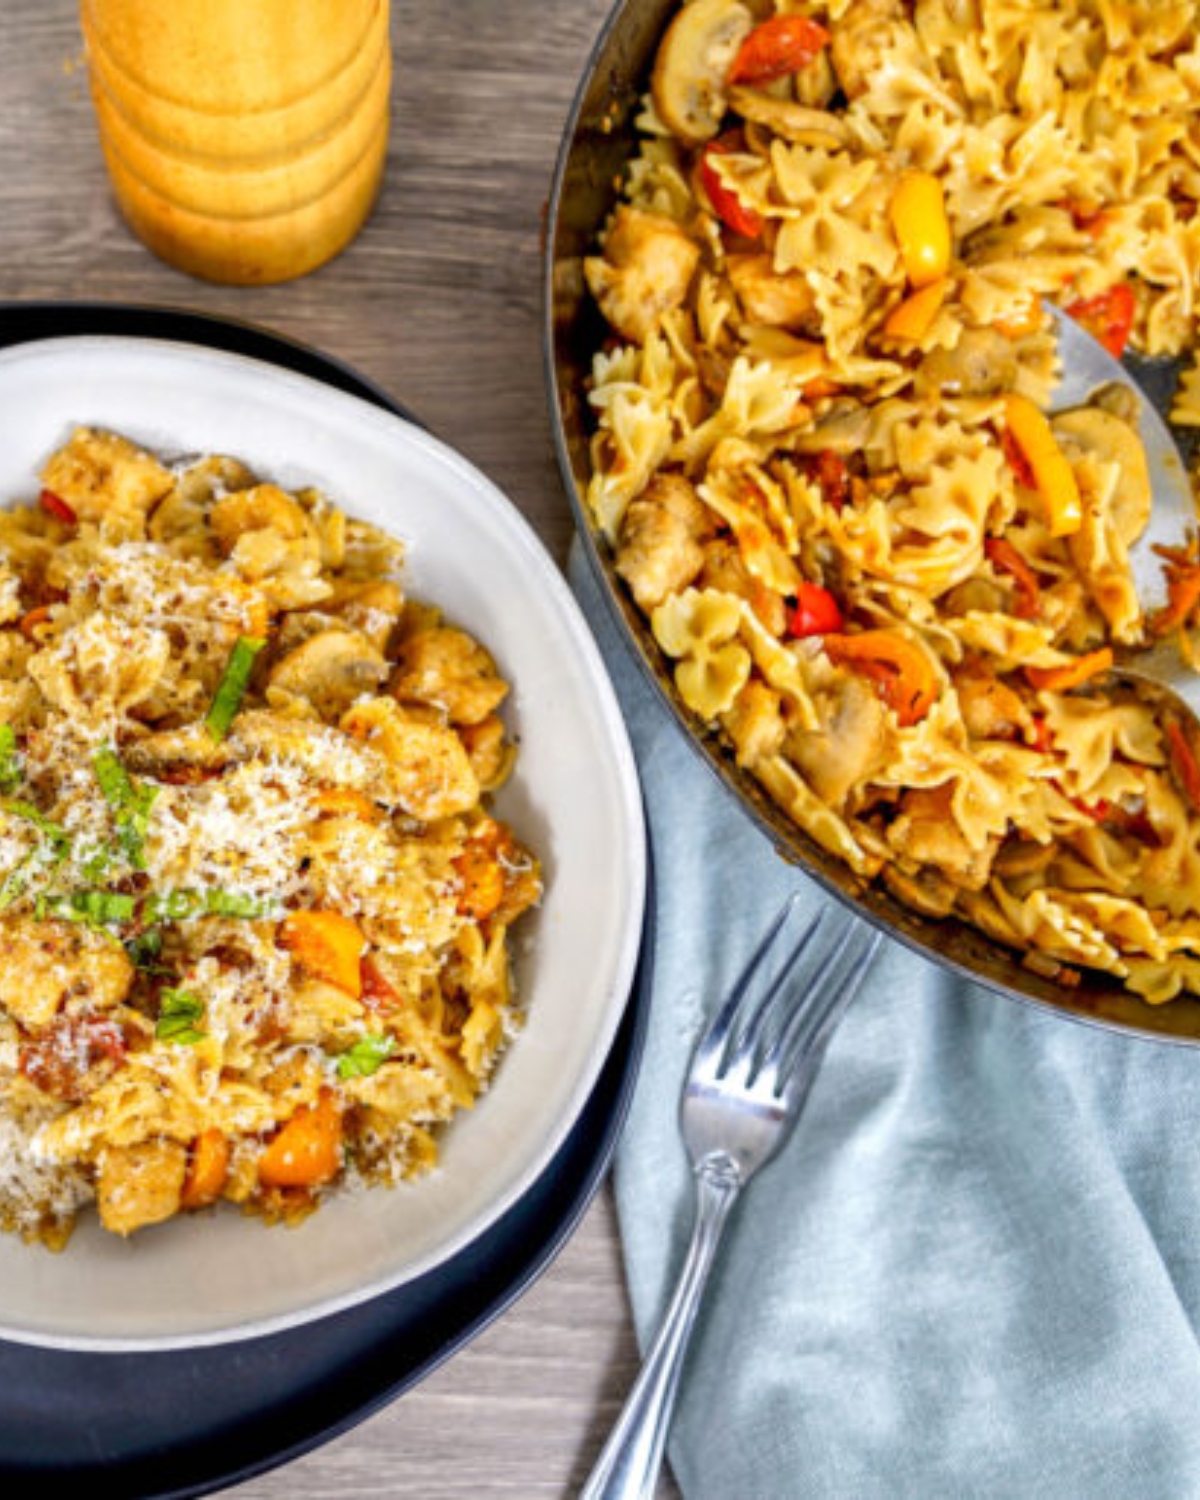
(180, 906)
(15, 882)
(232, 687)
(178, 1012)
(234, 904)
(367, 1055)
(92, 908)
(54, 833)
(145, 949)
(10, 764)
(130, 803)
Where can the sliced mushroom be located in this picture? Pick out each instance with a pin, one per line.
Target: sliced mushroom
(847, 747)
(693, 62)
(792, 121)
(177, 754)
(982, 364)
(331, 670)
(1092, 432)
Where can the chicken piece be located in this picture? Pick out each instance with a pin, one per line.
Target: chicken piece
(140, 1185)
(862, 39)
(263, 508)
(849, 745)
(429, 769)
(645, 271)
(755, 723)
(450, 670)
(660, 550)
(925, 832)
(330, 669)
(990, 709)
(491, 753)
(44, 964)
(780, 301)
(725, 569)
(99, 474)
(371, 608)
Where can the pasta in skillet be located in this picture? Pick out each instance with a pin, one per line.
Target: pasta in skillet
(823, 459)
(253, 911)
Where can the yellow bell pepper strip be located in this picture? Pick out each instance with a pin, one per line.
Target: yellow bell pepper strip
(898, 669)
(308, 1149)
(921, 227)
(1073, 674)
(780, 46)
(1053, 476)
(913, 318)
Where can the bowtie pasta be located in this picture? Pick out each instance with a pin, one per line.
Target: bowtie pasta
(825, 461)
(253, 911)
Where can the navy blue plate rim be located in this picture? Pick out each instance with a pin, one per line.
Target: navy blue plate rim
(131, 1424)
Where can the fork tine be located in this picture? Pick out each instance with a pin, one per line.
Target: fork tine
(746, 1043)
(711, 1050)
(828, 994)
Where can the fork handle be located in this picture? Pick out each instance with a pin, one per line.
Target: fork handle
(628, 1467)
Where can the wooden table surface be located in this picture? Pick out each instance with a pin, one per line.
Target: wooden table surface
(437, 300)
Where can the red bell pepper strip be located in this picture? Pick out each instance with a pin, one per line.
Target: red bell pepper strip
(816, 612)
(726, 204)
(54, 505)
(780, 46)
(1108, 317)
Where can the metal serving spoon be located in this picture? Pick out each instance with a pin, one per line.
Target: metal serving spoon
(1087, 365)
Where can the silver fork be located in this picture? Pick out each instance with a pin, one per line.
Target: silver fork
(748, 1081)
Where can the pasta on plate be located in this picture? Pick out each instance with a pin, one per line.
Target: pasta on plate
(825, 461)
(254, 912)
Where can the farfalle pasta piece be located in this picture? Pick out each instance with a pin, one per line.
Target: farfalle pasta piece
(699, 629)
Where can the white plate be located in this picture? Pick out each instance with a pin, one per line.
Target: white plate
(575, 800)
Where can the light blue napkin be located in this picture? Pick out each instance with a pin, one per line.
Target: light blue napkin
(975, 1269)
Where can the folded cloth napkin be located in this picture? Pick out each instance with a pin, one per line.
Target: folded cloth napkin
(975, 1268)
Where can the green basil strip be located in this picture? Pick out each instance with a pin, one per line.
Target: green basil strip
(54, 833)
(367, 1055)
(182, 906)
(178, 1012)
(10, 763)
(92, 908)
(130, 803)
(145, 949)
(232, 687)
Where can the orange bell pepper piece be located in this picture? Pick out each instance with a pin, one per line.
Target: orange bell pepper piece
(207, 1169)
(328, 945)
(1182, 573)
(1073, 674)
(343, 802)
(1004, 557)
(899, 670)
(308, 1149)
(913, 318)
(921, 227)
(1053, 475)
(1183, 762)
